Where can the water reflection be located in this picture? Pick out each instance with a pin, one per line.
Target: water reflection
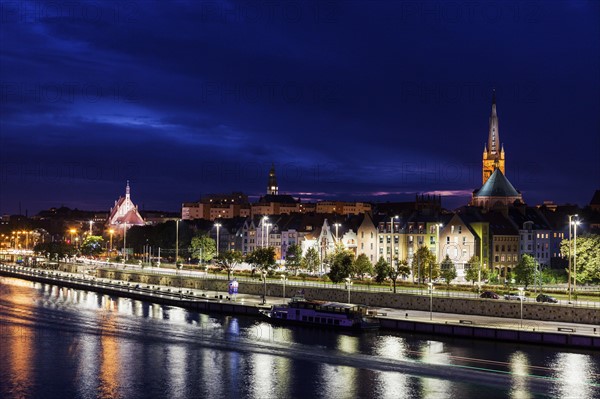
(109, 359)
(575, 373)
(20, 341)
(338, 381)
(519, 368)
(109, 348)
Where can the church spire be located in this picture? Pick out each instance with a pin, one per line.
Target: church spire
(493, 152)
(272, 184)
(127, 190)
(494, 134)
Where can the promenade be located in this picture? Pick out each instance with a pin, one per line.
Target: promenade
(249, 304)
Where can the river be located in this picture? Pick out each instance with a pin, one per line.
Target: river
(65, 343)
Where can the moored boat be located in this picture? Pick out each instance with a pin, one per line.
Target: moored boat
(301, 311)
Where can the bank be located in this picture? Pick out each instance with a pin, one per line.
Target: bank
(183, 296)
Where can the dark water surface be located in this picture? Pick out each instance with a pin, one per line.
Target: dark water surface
(65, 343)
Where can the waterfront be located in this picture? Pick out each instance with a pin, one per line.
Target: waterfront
(59, 342)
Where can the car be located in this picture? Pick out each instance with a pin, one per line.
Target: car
(546, 298)
(489, 295)
(514, 296)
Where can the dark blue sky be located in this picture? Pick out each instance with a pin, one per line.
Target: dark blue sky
(351, 100)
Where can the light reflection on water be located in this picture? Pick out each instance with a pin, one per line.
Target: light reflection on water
(58, 342)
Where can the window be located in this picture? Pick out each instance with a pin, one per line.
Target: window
(496, 258)
(448, 240)
(459, 229)
(431, 240)
(452, 229)
(464, 240)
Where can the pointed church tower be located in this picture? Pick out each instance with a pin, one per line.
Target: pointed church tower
(493, 152)
(272, 185)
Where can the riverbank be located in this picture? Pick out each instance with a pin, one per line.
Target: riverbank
(465, 326)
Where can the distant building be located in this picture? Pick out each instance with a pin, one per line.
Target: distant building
(124, 214)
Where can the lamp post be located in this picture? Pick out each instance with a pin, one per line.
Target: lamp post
(430, 300)
(262, 231)
(72, 231)
(348, 285)
(575, 224)
(337, 225)
(283, 279)
(125, 241)
(437, 242)
(268, 226)
(217, 225)
(392, 240)
(176, 242)
(91, 222)
(264, 276)
(521, 299)
(570, 244)
(111, 232)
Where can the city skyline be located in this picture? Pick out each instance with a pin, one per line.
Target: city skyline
(350, 101)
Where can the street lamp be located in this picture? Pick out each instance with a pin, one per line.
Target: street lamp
(111, 232)
(72, 231)
(125, 241)
(217, 225)
(91, 222)
(570, 244)
(262, 231)
(575, 224)
(392, 240)
(337, 225)
(348, 285)
(283, 279)
(430, 300)
(268, 226)
(437, 242)
(521, 297)
(264, 276)
(176, 242)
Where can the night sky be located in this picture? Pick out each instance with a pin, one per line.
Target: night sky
(350, 100)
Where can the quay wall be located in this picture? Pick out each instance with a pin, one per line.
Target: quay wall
(212, 304)
(468, 306)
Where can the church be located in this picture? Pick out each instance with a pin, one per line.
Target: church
(497, 192)
(124, 214)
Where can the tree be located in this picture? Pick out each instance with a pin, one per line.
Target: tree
(401, 270)
(342, 266)
(311, 260)
(382, 270)
(229, 260)
(55, 250)
(474, 269)
(424, 264)
(448, 271)
(362, 265)
(203, 248)
(524, 271)
(264, 260)
(92, 245)
(588, 257)
(293, 258)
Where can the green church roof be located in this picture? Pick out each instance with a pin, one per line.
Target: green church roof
(497, 186)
